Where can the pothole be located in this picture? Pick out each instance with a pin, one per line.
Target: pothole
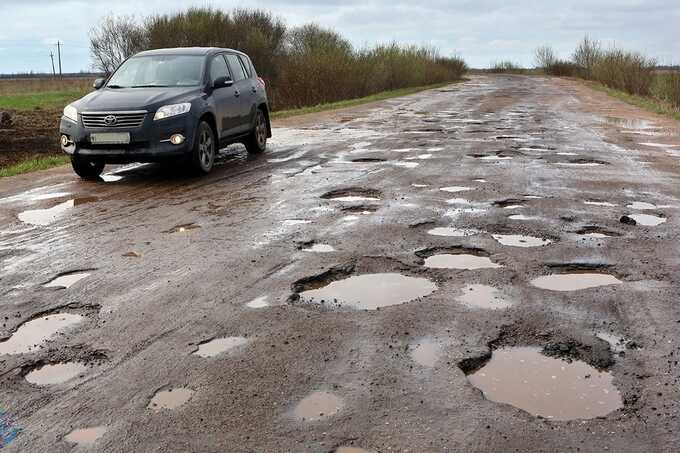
(518, 240)
(319, 248)
(44, 217)
(182, 228)
(426, 352)
(599, 203)
(644, 219)
(85, 436)
(353, 194)
(57, 373)
(545, 386)
(616, 343)
(259, 302)
(511, 203)
(483, 296)
(455, 189)
(352, 450)
(452, 232)
(583, 163)
(574, 281)
(170, 399)
(361, 209)
(318, 405)
(218, 346)
(32, 334)
(594, 231)
(369, 291)
(368, 160)
(641, 206)
(67, 279)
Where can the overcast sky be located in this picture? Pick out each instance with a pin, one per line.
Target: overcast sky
(481, 31)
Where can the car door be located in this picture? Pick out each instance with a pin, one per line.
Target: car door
(242, 86)
(225, 98)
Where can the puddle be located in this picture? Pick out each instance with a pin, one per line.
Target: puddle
(483, 296)
(32, 334)
(496, 157)
(420, 157)
(518, 240)
(658, 145)
(182, 228)
(461, 261)
(426, 352)
(545, 386)
(455, 189)
(594, 231)
(217, 346)
(452, 232)
(406, 164)
(513, 206)
(318, 405)
(479, 180)
(458, 201)
(574, 282)
(320, 248)
(66, 280)
(641, 206)
(368, 160)
(85, 436)
(352, 194)
(522, 217)
(57, 373)
(371, 291)
(296, 222)
(420, 186)
(599, 203)
(170, 399)
(352, 450)
(582, 163)
(259, 302)
(647, 219)
(616, 343)
(44, 217)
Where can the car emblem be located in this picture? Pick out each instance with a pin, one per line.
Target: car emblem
(110, 120)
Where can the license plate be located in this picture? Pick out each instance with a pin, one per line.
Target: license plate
(110, 138)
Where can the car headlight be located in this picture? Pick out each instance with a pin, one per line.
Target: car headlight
(171, 110)
(71, 113)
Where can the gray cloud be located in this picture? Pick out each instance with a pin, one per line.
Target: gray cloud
(480, 30)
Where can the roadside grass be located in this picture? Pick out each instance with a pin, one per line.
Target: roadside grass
(34, 164)
(355, 102)
(650, 104)
(46, 99)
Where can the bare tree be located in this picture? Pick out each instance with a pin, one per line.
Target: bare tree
(114, 40)
(545, 57)
(586, 55)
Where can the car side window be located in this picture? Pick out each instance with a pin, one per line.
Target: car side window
(218, 68)
(236, 67)
(245, 66)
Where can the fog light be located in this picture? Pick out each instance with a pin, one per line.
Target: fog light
(177, 139)
(65, 141)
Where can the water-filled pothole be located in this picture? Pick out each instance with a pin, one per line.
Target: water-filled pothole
(319, 248)
(353, 194)
(66, 280)
(641, 206)
(259, 302)
(352, 450)
(32, 334)
(452, 232)
(583, 163)
(318, 405)
(545, 386)
(483, 296)
(368, 160)
(426, 352)
(370, 291)
(460, 261)
(599, 203)
(57, 373)
(455, 189)
(647, 219)
(574, 281)
(218, 346)
(85, 436)
(170, 399)
(518, 240)
(182, 228)
(594, 231)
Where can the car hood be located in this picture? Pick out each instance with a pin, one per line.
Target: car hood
(150, 99)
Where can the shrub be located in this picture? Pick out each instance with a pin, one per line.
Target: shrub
(506, 67)
(561, 68)
(626, 71)
(586, 55)
(667, 87)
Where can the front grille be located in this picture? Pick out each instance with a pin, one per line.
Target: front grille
(94, 120)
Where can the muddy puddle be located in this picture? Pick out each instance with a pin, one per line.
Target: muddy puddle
(66, 280)
(170, 399)
(319, 248)
(460, 261)
(44, 217)
(617, 343)
(85, 436)
(32, 334)
(518, 240)
(182, 228)
(544, 386)
(353, 194)
(219, 346)
(647, 219)
(318, 405)
(352, 450)
(583, 163)
(426, 352)
(483, 296)
(371, 291)
(523, 217)
(596, 232)
(455, 189)
(259, 302)
(452, 232)
(599, 203)
(641, 206)
(575, 281)
(56, 373)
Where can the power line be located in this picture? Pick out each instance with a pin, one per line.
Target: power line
(54, 73)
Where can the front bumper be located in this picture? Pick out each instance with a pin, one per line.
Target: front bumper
(148, 143)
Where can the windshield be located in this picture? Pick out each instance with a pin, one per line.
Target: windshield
(159, 71)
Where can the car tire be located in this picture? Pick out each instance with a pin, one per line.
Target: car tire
(87, 169)
(257, 140)
(203, 154)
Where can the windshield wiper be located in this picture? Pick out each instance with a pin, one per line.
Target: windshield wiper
(114, 86)
(150, 86)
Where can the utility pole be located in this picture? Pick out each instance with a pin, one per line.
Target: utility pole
(54, 73)
(59, 55)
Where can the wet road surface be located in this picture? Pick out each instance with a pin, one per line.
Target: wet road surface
(491, 266)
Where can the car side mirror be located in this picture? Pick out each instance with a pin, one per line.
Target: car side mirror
(222, 82)
(98, 83)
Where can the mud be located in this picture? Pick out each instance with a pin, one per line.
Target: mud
(483, 296)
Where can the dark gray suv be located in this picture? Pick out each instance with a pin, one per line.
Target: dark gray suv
(181, 103)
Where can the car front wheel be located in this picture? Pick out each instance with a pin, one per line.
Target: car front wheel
(257, 141)
(203, 155)
(87, 169)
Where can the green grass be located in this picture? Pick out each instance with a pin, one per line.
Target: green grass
(34, 164)
(46, 99)
(354, 102)
(649, 104)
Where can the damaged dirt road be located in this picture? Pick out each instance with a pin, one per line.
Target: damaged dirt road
(491, 266)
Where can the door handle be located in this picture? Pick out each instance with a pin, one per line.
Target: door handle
(237, 93)
(254, 89)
